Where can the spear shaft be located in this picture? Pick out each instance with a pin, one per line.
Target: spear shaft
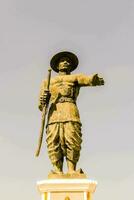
(44, 112)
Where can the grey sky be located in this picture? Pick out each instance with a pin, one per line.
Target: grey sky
(101, 33)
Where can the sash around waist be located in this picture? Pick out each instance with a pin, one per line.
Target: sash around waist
(65, 99)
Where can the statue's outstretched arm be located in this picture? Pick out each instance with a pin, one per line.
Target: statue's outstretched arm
(92, 80)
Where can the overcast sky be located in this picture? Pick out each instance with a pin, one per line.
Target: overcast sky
(101, 33)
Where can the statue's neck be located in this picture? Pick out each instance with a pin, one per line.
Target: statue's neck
(61, 73)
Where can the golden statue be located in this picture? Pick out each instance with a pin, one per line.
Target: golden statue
(63, 129)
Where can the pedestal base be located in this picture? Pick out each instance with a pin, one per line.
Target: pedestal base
(66, 189)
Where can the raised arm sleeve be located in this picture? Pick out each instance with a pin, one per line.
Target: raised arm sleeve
(84, 80)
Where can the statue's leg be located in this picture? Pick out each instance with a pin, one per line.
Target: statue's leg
(58, 166)
(54, 148)
(72, 132)
(71, 167)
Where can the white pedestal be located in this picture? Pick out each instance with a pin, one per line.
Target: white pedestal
(66, 189)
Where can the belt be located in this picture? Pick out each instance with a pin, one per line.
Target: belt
(65, 99)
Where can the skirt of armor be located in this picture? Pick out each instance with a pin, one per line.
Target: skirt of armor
(64, 139)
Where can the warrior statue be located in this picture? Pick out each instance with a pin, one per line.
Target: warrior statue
(63, 129)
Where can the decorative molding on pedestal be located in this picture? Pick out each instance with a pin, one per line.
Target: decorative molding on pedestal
(66, 189)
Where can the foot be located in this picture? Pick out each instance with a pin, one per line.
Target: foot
(77, 172)
(71, 172)
(56, 172)
(80, 171)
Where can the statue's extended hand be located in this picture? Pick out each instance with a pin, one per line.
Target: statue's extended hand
(97, 80)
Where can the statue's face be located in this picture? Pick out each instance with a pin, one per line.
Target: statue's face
(64, 64)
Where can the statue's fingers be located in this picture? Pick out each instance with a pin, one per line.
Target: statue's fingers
(102, 81)
(95, 78)
(96, 74)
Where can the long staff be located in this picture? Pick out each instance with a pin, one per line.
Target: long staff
(44, 112)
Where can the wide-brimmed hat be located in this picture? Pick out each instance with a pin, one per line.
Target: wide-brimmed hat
(56, 59)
